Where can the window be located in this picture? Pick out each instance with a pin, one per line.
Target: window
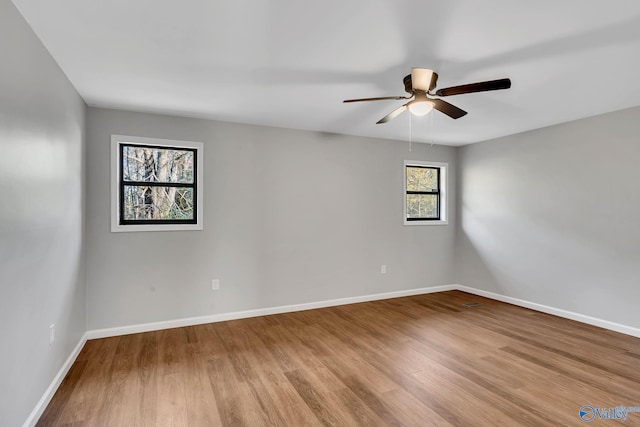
(156, 184)
(425, 200)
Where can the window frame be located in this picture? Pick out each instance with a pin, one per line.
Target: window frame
(442, 192)
(117, 185)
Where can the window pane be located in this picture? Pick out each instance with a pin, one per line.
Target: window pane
(157, 164)
(157, 203)
(422, 206)
(422, 179)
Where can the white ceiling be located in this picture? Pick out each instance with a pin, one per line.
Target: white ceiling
(290, 63)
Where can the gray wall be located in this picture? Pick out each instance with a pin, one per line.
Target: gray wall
(42, 278)
(552, 216)
(290, 217)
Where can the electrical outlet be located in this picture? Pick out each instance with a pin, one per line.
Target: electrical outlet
(215, 284)
(52, 333)
(383, 269)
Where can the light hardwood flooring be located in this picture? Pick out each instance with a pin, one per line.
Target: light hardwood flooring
(425, 360)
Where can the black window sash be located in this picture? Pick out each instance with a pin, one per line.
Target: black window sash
(193, 186)
(435, 191)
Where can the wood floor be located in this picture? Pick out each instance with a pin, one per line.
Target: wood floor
(422, 360)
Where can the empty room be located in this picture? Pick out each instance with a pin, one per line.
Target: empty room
(344, 213)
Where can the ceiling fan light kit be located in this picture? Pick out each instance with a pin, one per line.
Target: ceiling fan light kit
(420, 85)
(420, 108)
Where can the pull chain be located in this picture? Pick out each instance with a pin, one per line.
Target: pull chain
(432, 128)
(410, 132)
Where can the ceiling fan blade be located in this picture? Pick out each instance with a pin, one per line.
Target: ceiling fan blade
(392, 115)
(475, 87)
(448, 109)
(376, 99)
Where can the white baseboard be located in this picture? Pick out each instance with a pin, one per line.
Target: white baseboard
(53, 387)
(190, 321)
(628, 330)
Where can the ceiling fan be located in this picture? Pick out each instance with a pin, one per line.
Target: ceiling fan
(420, 85)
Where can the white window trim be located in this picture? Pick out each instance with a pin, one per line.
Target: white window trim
(115, 173)
(444, 199)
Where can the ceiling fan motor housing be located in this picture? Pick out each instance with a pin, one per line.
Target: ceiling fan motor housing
(408, 86)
